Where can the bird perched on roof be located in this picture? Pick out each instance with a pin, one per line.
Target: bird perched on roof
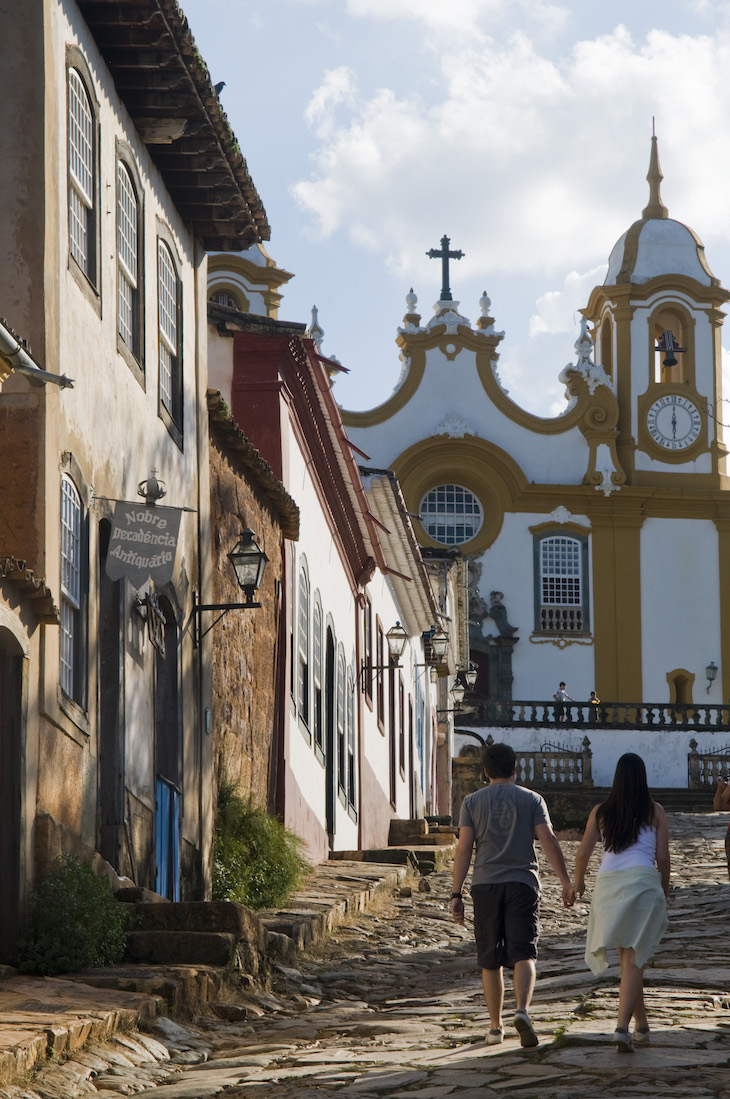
(218, 88)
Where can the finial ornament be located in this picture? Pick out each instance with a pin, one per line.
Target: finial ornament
(315, 330)
(655, 208)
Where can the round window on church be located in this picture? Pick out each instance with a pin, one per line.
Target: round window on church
(451, 515)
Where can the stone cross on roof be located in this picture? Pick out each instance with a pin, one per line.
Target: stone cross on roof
(445, 255)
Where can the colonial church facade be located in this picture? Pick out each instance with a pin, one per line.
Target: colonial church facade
(599, 540)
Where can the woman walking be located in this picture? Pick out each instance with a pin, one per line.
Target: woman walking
(629, 907)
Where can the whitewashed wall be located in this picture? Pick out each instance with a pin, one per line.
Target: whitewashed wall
(664, 752)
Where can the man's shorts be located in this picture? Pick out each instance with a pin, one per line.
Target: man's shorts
(506, 923)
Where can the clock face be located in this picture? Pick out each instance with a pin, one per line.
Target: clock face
(674, 422)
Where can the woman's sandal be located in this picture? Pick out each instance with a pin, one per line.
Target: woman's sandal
(642, 1036)
(622, 1041)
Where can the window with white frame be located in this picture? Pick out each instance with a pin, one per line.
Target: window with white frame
(451, 514)
(128, 261)
(561, 595)
(317, 676)
(351, 792)
(303, 646)
(81, 175)
(71, 659)
(341, 720)
(168, 307)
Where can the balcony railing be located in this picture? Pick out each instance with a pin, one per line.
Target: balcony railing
(629, 715)
(561, 619)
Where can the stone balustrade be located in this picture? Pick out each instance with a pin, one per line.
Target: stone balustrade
(635, 715)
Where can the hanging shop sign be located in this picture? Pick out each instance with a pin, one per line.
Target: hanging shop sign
(143, 543)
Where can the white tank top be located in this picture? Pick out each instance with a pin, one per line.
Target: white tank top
(641, 853)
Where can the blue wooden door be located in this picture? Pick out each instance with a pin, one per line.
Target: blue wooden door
(167, 840)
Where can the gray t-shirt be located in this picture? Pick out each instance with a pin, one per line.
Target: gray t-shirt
(504, 817)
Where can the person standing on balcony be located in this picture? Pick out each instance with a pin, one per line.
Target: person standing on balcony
(502, 820)
(561, 696)
(593, 703)
(629, 906)
(720, 801)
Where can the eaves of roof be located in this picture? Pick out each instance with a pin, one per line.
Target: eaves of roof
(403, 562)
(234, 440)
(166, 87)
(36, 594)
(333, 456)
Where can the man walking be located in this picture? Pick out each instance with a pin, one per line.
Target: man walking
(502, 820)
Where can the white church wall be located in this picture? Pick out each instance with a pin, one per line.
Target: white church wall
(537, 666)
(664, 752)
(680, 605)
(453, 389)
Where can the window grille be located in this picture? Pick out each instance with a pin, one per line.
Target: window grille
(70, 586)
(81, 172)
(451, 515)
(168, 327)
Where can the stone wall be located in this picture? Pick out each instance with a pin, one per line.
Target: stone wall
(244, 644)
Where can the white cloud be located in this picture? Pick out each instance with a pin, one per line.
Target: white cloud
(556, 308)
(538, 162)
(338, 87)
(463, 17)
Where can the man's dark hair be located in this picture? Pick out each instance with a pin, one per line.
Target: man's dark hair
(498, 760)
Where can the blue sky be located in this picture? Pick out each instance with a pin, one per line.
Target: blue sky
(519, 128)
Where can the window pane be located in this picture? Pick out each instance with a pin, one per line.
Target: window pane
(303, 645)
(451, 514)
(560, 569)
(81, 170)
(70, 583)
(168, 336)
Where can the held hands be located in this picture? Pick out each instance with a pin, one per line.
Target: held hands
(568, 895)
(579, 887)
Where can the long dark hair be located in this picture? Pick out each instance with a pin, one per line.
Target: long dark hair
(628, 807)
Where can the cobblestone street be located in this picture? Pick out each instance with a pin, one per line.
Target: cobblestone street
(391, 1005)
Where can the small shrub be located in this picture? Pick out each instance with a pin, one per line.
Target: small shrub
(257, 861)
(73, 921)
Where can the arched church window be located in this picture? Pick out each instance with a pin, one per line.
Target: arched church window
(561, 584)
(451, 514)
(669, 332)
(229, 299)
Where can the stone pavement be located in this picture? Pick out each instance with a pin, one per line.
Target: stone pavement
(390, 1005)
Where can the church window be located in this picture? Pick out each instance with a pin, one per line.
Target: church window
(451, 514)
(561, 601)
(229, 299)
(82, 182)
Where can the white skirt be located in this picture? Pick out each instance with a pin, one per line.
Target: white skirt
(629, 909)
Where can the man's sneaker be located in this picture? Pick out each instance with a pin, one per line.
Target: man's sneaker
(495, 1036)
(525, 1029)
(622, 1041)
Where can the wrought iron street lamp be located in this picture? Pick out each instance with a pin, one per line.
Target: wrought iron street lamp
(249, 562)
